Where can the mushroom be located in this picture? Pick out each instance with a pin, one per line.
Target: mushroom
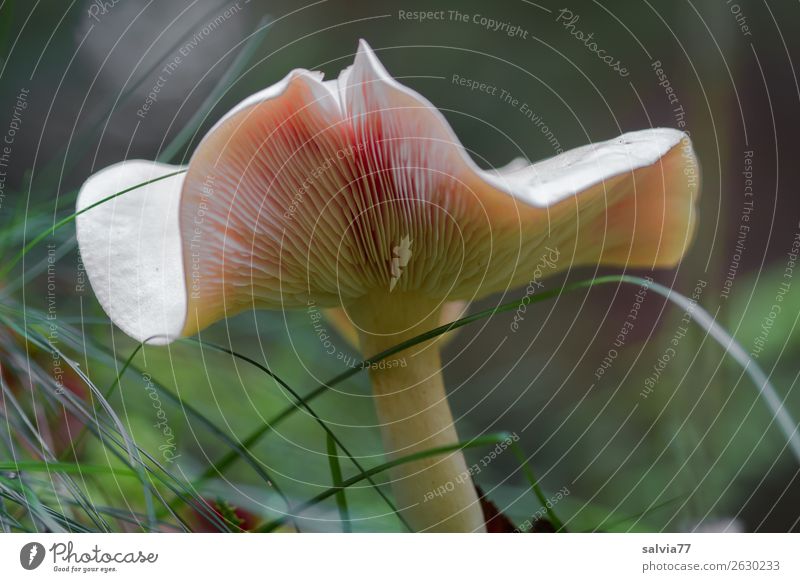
(355, 193)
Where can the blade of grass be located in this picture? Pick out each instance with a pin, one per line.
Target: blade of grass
(57, 520)
(27, 431)
(641, 514)
(15, 490)
(133, 518)
(68, 219)
(71, 338)
(210, 471)
(64, 248)
(537, 490)
(336, 479)
(79, 438)
(116, 447)
(187, 133)
(58, 467)
(14, 226)
(8, 521)
(105, 435)
(219, 433)
(260, 432)
(42, 342)
(481, 441)
(787, 425)
(50, 178)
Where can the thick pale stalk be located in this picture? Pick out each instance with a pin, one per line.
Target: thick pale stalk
(437, 493)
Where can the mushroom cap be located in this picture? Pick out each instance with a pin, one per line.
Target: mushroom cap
(327, 191)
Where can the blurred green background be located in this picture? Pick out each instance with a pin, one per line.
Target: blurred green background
(700, 452)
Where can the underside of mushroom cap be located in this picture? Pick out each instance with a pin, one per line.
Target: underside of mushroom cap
(329, 191)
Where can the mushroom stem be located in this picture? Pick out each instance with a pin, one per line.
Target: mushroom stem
(435, 494)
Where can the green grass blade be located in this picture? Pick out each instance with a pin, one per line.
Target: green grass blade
(68, 219)
(219, 433)
(182, 490)
(106, 435)
(481, 441)
(336, 479)
(79, 438)
(537, 490)
(51, 175)
(187, 133)
(641, 514)
(260, 432)
(300, 402)
(787, 425)
(17, 491)
(121, 449)
(132, 449)
(59, 467)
